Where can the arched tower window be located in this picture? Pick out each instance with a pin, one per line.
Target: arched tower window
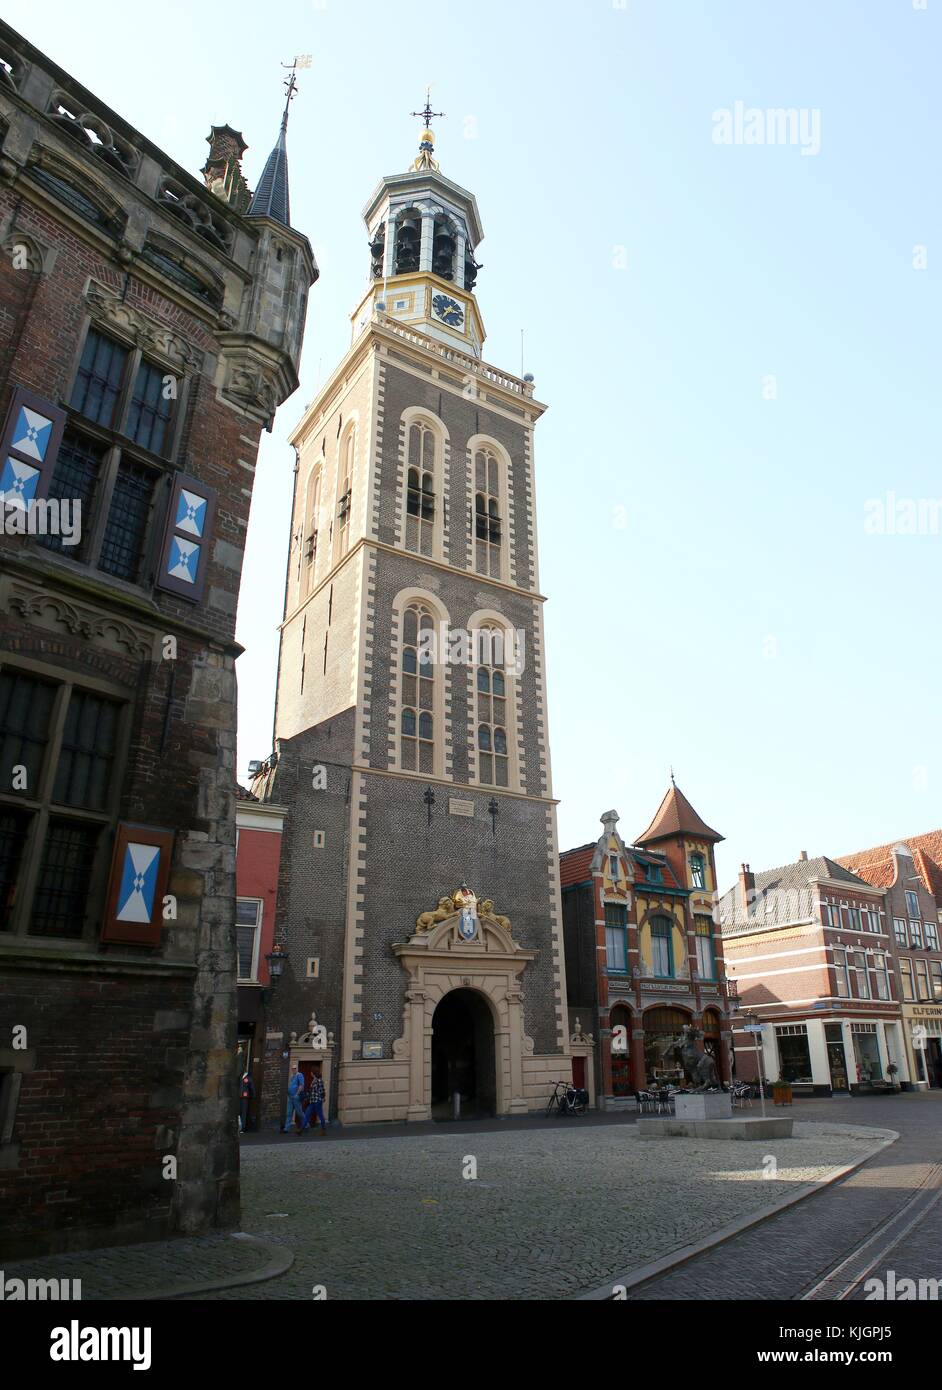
(344, 492)
(309, 533)
(492, 708)
(444, 247)
(488, 536)
(417, 703)
(378, 252)
(408, 241)
(422, 471)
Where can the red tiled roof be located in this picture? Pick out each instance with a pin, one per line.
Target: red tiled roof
(575, 865)
(876, 865)
(676, 816)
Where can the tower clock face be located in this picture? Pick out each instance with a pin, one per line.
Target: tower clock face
(448, 310)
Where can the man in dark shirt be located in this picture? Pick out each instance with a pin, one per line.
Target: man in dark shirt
(316, 1102)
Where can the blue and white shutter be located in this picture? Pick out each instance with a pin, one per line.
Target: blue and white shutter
(184, 555)
(30, 443)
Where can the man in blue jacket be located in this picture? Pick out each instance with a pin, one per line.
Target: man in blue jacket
(295, 1091)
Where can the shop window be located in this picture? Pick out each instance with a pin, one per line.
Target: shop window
(621, 1052)
(794, 1054)
(866, 1052)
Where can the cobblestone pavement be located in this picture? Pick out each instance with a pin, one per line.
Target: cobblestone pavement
(556, 1211)
(551, 1213)
(140, 1271)
(784, 1257)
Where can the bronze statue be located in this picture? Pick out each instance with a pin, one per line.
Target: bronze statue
(699, 1067)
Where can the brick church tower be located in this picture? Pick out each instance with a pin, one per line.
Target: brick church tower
(419, 897)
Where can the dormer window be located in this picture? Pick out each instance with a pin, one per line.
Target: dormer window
(653, 873)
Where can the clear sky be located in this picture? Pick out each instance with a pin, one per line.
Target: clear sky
(737, 343)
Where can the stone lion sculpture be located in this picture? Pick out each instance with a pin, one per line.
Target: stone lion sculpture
(426, 920)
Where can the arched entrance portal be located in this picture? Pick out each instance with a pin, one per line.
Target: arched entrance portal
(463, 1058)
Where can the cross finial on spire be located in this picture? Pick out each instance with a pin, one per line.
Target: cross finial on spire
(673, 783)
(426, 159)
(427, 113)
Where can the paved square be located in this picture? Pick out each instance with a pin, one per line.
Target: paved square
(551, 1214)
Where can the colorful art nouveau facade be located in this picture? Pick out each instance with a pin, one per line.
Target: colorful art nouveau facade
(643, 959)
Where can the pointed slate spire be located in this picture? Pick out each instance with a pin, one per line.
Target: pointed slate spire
(270, 198)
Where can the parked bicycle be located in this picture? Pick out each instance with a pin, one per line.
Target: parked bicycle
(567, 1100)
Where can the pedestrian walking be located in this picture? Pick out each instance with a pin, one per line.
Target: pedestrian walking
(295, 1091)
(246, 1096)
(316, 1097)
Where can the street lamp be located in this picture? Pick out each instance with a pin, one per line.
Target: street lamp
(277, 960)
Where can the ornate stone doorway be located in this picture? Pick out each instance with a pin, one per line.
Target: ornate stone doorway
(463, 1061)
(464, 952)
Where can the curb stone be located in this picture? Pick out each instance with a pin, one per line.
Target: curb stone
(642, 1274)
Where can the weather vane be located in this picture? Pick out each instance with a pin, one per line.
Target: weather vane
(301, 60)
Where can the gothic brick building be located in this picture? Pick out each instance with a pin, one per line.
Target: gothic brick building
(643, 956)
(411, 727)
(150, 324)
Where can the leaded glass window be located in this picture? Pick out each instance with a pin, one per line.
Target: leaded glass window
(62, 893)
(487, 521)
(152, 407)
(26, 706)
(417, 721)
(100, 378)
(420, 489)
(74, 480)
(87, 751)
(122, 548)
(492, 711)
